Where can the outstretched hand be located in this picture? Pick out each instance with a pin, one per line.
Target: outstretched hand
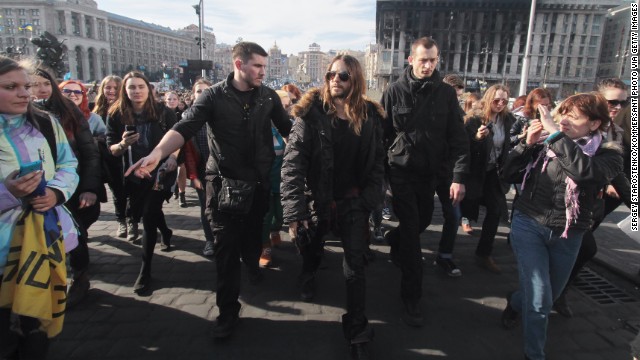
(143, 167)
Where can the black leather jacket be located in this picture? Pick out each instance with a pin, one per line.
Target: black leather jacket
(543, 197)
(240, 141)
(308, 161)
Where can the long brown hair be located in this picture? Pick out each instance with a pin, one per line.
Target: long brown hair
(123, 104)
(101, 106)
(355, 103)
(68, 113)
(488, 98)
(535, 96)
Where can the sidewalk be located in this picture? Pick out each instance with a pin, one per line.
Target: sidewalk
(462, 315)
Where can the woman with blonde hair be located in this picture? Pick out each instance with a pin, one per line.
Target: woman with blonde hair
(488, 131)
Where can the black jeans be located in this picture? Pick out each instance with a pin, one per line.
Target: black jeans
(413, 205)
(494, 200)
(235, 236)
(451, 219)
(202, 198)
(352, 227)
(146, 204)
(85, 217)
(118, 191)
(32, 344)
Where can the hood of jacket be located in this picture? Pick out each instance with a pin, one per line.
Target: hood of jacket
(424, 85)
(311, 99)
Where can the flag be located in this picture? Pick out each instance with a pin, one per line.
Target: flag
(28, 27)
(67, 76)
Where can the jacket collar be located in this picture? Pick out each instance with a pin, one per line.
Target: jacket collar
(417, 85)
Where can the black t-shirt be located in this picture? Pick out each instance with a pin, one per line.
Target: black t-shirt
(345, 152)
(246, 97)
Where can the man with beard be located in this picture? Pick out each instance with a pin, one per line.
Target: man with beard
(423, 129)
(238, 113)
(335, 151)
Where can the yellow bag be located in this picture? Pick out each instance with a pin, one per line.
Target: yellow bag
(34, 283)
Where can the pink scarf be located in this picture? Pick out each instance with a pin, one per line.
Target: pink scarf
(571, 193)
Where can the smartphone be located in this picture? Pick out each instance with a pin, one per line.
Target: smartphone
(30, 167)
(489, 125)
(537, 115)
(131, 128)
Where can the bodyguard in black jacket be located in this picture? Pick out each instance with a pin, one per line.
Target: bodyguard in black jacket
(424, 129)
(335, 148)
(238, 113)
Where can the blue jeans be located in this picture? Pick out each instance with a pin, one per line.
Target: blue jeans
(545, 261)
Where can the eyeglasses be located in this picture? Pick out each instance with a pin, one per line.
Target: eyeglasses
(343, 75)
(500, 101)
(69, 92)
(614, 103)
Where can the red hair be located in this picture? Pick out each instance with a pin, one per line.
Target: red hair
(84, 105)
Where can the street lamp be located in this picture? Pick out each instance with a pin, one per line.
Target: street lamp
(200, 12)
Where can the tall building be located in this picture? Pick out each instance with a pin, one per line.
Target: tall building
(615, 59)
(277, 69)
(314, 63)
(97, 42)
(222, 61)
(485, 40)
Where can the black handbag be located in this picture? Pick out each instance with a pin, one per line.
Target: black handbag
(236, 196)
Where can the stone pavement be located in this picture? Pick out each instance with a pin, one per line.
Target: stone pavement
(462, 314)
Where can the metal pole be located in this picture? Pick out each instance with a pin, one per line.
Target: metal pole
(201, 19)
(524, 77)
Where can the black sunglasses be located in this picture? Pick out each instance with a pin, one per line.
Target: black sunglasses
(614, 103)
(343, 75)
(69, 91)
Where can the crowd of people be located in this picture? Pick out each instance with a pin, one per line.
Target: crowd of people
(319, 162)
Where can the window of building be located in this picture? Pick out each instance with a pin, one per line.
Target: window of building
(10, 22)
(597, 22)
(585, 24)
(559, 64)
(8, 12)
(35, 12)
(588, 72)
(21, 12)
(21, 22)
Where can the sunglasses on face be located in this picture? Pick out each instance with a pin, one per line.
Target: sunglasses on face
(343, 75)
(500, 101)
(69, 92)
(614, 103)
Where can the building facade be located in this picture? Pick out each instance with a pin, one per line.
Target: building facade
(98, 43)
(313, 63)
(614, 57)
(484, 41)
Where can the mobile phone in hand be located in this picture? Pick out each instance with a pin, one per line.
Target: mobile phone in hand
(30, 167)
(131, 128)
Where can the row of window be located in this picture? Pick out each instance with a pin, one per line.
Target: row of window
(21, 22)
(13, 31)
(22, 12)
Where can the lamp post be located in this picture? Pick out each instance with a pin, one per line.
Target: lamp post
(546, 72)
(200, 12)
(621, 58)
(486, 51)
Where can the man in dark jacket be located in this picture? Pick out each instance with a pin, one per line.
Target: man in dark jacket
(335, 149)
(424, 128)
(238, 113)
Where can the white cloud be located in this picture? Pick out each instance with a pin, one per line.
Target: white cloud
(293, 24)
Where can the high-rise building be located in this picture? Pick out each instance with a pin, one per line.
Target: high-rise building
(314, 63)
(615, 59)
(485, 40)
(277, 69)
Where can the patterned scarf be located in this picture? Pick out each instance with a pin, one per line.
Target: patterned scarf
(589, 145)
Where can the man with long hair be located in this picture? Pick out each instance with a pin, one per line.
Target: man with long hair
(238, 113)
(423, 130)
(335, 149)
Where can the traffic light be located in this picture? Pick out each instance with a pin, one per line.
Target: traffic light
(197, 7)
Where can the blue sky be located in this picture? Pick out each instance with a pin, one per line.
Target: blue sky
(294, 24)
